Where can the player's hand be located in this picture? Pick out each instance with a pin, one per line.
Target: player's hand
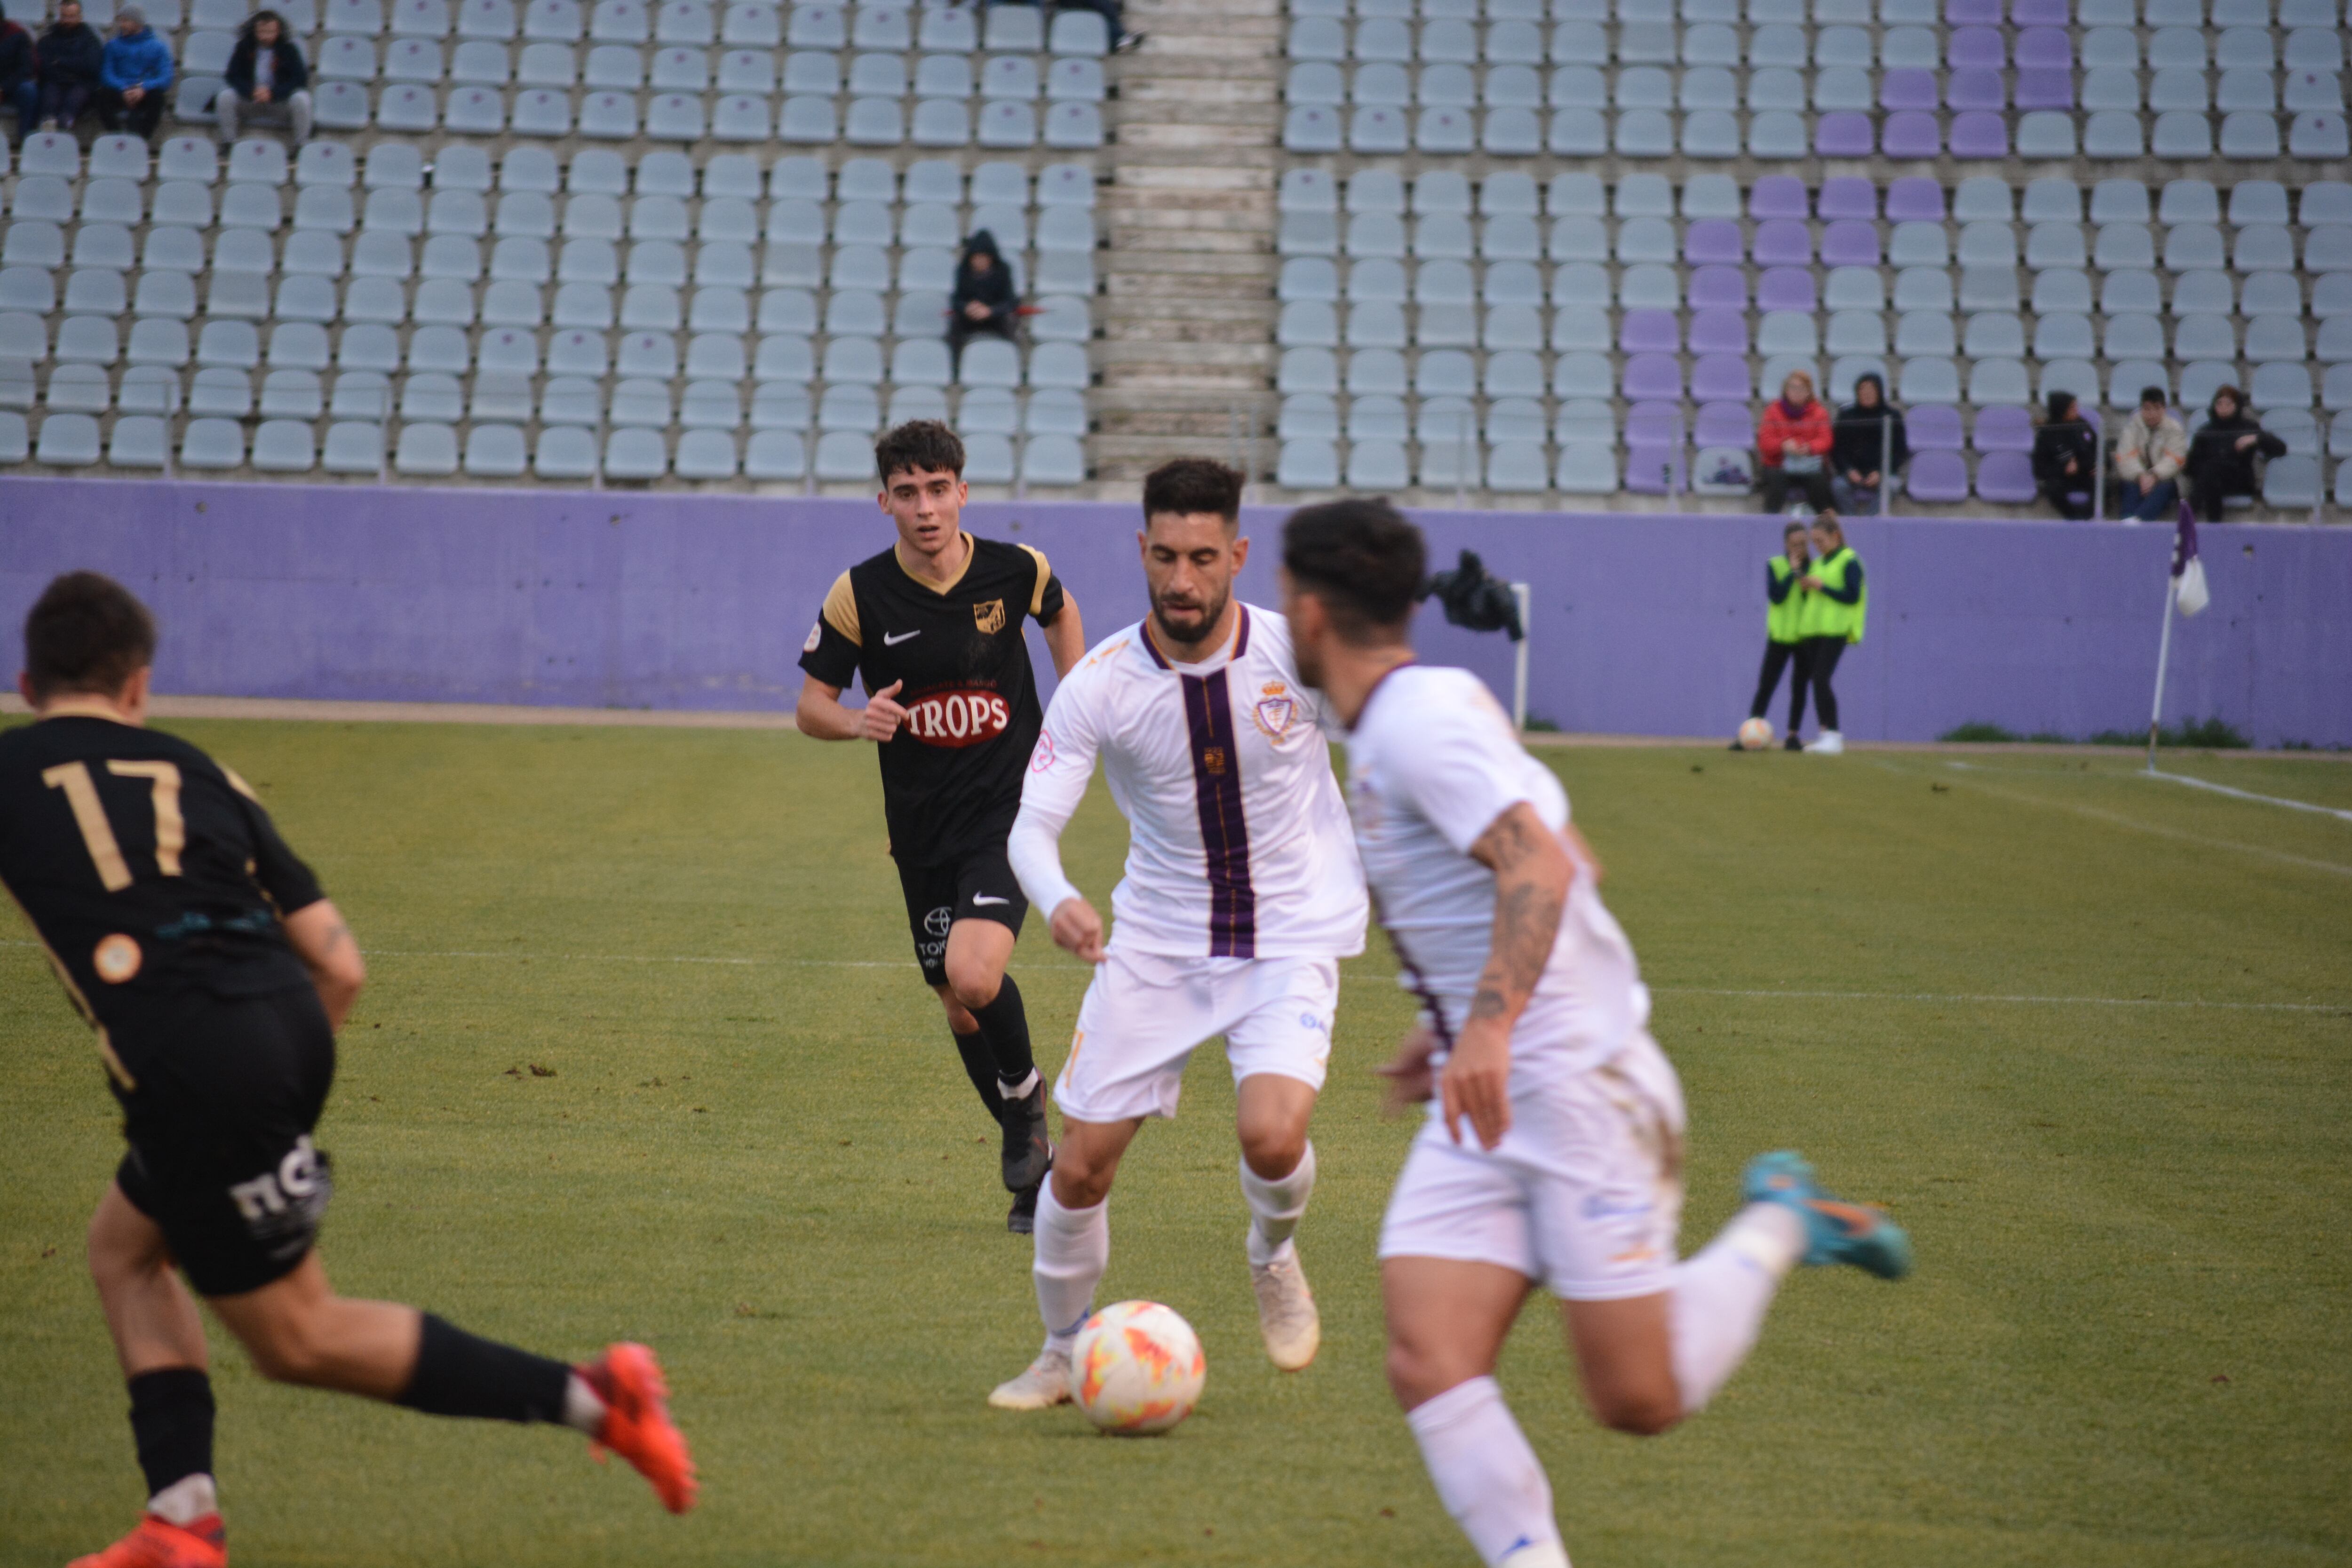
(1077, 929)
(880, 718)
(1476, 1083)
(1411, 1080)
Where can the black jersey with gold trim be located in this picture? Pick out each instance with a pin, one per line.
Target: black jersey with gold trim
(951, 776)
(147, 869)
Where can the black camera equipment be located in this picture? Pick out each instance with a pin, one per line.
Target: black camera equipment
(1473, 600)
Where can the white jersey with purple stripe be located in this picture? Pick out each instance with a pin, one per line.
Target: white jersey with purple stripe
(1238, 841)
(1431, 763)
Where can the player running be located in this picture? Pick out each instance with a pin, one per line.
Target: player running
(932, 627)
(1241, 894)
(1534, 1032)
(215, 971)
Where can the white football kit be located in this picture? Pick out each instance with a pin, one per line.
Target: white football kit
(1584, 1193)
(1242, 889)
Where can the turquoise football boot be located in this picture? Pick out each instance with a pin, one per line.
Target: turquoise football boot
(1837, 1232)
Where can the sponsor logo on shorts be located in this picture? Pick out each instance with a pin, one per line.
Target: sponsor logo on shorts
(282, 1207)
(939, 920)
(979, 898)
(1601, 1206)
(963, 717)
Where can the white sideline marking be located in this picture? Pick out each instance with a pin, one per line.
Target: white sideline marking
(2333, 867)
(2247, 794)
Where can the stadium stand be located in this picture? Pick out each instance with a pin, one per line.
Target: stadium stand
(679, 243)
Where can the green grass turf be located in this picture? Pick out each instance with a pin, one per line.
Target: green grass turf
(2129, 1341)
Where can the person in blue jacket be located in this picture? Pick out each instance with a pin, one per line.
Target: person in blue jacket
(134, 74)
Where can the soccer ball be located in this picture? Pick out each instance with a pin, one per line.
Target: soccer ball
(1137, 1368)
(1755, 734)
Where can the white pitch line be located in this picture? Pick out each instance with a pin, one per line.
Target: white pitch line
(2335, 867)
(2247, 794)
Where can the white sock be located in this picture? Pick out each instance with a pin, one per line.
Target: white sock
(185, 1501)
(1073, 1250)
(1018, 1091)
(1488, 1477)
(582, 1410)
(1721, 1296)
(1275, 1206)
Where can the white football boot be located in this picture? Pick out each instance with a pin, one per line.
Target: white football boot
(1828, 743)
(1285, 1313)
(1044, 1385)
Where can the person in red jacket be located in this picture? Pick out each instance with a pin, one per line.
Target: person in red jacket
(1792, 443)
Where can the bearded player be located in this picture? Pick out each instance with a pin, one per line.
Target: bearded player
(1553, 1152)
(1241, 895)
(215, 971)
(932, 626)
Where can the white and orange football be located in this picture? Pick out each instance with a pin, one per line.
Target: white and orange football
(1137, 1368)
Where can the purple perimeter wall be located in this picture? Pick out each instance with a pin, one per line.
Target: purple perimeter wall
(1643, 625)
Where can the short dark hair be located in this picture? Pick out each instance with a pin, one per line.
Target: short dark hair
(87, 633)
(2148, 395)
(1187, 485)
(1795, 528)
(2232, 392)
(918, 444)
(1363, 560)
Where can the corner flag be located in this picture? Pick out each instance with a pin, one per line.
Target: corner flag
(2188, 591)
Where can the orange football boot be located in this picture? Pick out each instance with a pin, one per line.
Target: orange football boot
(637, 1426)
(159, 1543)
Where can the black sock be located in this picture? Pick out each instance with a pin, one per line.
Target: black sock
(171, 1423)
(1007, 1025)
(459, 1374)
(981, 1067)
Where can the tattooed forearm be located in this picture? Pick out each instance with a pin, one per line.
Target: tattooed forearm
(1532, 871)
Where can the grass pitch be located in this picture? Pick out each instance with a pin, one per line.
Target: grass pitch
(644, 1054)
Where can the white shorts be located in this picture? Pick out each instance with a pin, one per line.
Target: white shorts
(1144, 1014)
(1585, 1194)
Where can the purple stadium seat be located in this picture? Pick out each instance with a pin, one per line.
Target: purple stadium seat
(1714, 240)
(1976, 49)
(1719, 288)
(1911, 133)
(1907, 89)
(1914, 198)
(2005, 477)
(1650, 332)
(1654, 470)
(1784, 242)
(1653, 425)
(1716, 331)
(1722, 378)
(1934, 428)
(1850, 242)
(1978, 88)
(1979, 135)
(1847, 196)
(2046, 47)
(1787, 289)
(1939, 477)
(1725, 425)
(2041, 87)
(1978, 13)
(2039, 13)
(2003, 428)
(1844, 134)
(1652, 376)
(1779, 195)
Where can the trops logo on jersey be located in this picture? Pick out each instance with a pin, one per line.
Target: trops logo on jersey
(963, 716)
(989, 617)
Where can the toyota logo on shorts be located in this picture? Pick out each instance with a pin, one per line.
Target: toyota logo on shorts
(938, 922)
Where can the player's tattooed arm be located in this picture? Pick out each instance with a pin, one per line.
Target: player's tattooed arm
(1532, 872)
(327, 948)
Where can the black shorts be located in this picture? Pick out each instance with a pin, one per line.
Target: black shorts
(976, 886)
(219, 1129)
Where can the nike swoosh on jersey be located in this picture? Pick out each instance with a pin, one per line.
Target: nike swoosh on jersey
(985, 898)
(889, 641)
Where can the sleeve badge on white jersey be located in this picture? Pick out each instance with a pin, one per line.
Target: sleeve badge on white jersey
(1276, 711)
(1043, 757)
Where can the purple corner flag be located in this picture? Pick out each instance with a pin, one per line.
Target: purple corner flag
(2184, 543)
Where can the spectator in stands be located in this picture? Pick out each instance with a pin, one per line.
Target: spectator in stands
(2066, 456)
(1111, 10)
(20, 76)
(133, 75)
(1869, 449)
(983, 299)
(2221, 454)
(2149, 452)
(1792, 445)
(70, 53)
(267, 78)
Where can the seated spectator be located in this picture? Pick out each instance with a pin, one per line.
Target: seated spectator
(70, 52)
(20, 76)
(1869, 449)
(266, 78)
(1110, 11)
(983, 299)
(2066, 457)
(1792, 445)
(133, 75)
(2149, 451)
(2221, 454)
